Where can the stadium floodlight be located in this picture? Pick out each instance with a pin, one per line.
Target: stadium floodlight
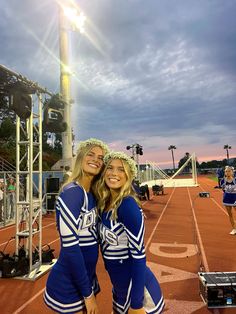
(76, 18)
(20, 100)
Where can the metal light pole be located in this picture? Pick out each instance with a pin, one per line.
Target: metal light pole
(227, 147)
(69, 19)
(65, 87)
(172, 147)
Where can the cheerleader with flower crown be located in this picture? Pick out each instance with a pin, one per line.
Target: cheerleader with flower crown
(72, 283)
(121, 230)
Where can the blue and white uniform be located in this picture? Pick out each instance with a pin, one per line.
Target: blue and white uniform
(229, 188)
(73, 277)
(134, 285)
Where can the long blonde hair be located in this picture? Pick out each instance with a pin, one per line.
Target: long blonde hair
(77, 172)
(103, 193)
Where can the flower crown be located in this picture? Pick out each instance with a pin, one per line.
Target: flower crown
(122, 156)
(93, 142)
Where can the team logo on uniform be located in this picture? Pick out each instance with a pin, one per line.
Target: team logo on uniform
(108, 236)
(88, 219)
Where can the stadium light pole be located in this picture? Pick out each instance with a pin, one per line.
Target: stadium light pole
(227, 147)
(68, 19)
(172, 147)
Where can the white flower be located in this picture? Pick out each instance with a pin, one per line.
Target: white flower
(93, 142)
(122, 156)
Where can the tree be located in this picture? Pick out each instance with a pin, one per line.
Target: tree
(172, 147)
(7, 130)
(183, 160)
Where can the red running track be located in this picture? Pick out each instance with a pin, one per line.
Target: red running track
(184, 233)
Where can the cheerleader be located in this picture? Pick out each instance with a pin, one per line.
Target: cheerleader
(72, 283)
(121, 230)
(228, 184)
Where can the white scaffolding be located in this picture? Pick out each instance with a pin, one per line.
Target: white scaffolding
(29, 170)
(159, 177)
(28, 174)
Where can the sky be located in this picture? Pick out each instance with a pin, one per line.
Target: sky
(154, 72)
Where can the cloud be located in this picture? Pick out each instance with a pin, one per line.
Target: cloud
(156, 73)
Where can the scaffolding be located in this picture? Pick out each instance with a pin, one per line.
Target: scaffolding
(28, 163)
(28, 219)
(159, 176)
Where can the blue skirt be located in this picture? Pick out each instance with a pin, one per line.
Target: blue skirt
(62, 294)
(153, 301)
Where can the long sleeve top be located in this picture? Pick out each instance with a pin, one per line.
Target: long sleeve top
(123, 238)
(76, 223)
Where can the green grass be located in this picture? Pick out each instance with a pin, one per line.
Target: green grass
(214, 178)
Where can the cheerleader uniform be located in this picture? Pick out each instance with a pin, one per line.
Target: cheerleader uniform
(229, 188)
(134, 285)
(73, 277)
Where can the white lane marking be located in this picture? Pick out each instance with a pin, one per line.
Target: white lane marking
(28, 302)
(53, 223)
(201, 248)
(220, 207)
(158, 221)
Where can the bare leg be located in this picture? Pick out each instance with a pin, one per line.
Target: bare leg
(231, 218)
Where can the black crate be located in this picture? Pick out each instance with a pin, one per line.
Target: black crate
(218, 289)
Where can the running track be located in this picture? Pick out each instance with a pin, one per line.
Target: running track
(184, 233)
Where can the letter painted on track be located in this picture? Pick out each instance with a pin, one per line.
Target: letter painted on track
(158, 249)
(169, 274)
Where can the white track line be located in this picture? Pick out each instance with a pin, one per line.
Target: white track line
(10, 226)
(7, 227)
(14, 238)
(205, 263)
(158, 221)
(23, 306)
(213, 200)
(29, 301)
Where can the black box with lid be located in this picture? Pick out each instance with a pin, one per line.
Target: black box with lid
(218, 289)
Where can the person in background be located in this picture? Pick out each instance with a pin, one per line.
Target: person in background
(228, 184)
(121, 229)
(72, 283)
(220, 175)
(147, 192)
(11, 199)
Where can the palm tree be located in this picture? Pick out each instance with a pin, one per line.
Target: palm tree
(227, 147)
(172, 147)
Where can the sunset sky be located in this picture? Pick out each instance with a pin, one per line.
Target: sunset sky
(154, 72)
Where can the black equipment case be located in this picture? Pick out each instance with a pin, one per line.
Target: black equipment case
(218, 289)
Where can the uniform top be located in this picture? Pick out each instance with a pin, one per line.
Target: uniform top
(122, 239)
(229, 188)
(76, 223)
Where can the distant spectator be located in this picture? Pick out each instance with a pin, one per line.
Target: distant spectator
(136, 187)
(147, 192)
(228, 184)
(11, 198)
(220, 175)
(67, 174)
